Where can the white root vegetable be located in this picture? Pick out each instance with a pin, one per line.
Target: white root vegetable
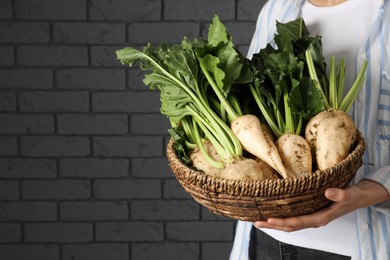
(257, 142)
(296, 154)
(200, 162)
(333, 137)
(268, 131)
(248, 169)
(332, 133)
(311, 131)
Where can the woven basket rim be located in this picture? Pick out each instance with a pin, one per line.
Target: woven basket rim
(318, 180)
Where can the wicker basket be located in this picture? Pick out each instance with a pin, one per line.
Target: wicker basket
(258, 200)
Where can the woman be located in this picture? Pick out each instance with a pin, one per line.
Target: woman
(357, 224)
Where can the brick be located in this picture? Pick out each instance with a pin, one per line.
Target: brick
(164, 210)
(26, 124)
(10, 233)
(151, 168)
(92, 124)
(51, 101)
(6, 54)
(139, 146)
(8, 147)
(203, 10)
(158, 251)
(157, 32)
(55, 146)
(248, 10)
(58, 232)
(149, 10)
(173, 190)
(50, 9)
(94, 168)
(149, 124)
(242, 33)
(52, 55)
(104, 56)
(199, 231)
(22, 168)
(28, 211)
(24, 32)
(93, 210)
(130, 231)
(7, 101)
(25, 251)
(89, 33)
(6, 9)
(109, 79)
(212, 251)
(131, 102)
(127, 189)
(26, 78)
(95, 251)
(9, 190)
(243, 49)
(136, 76)
(56, 189)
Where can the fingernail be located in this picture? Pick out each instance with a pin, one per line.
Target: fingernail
(259, 224)
(271, 221)
(330, 193)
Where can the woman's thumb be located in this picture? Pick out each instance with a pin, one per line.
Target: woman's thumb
(335, 194)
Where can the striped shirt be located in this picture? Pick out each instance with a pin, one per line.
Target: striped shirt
(371, 114)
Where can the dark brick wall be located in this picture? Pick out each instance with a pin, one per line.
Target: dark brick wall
(83, 174)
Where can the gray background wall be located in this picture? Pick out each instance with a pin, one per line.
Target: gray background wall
(83, 173)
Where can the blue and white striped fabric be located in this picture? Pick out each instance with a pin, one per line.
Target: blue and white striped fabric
(371, 115)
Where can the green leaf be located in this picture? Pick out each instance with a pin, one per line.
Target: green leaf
(286, 96)
(130, 56)
(289, 32)
(230, 63)
(230, 60)
(183, 64)
(217, 33)
(189, 45)
(178, 136)
(305, 99)
(174, 100)
(224, 63)
(210, 64)
(296, 29)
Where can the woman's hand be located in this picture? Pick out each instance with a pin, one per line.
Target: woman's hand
(363, 194)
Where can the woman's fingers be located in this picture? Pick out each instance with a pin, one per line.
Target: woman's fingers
(342, 204)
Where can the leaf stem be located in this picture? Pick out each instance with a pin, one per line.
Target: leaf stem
(350, 97)
(313, 76)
